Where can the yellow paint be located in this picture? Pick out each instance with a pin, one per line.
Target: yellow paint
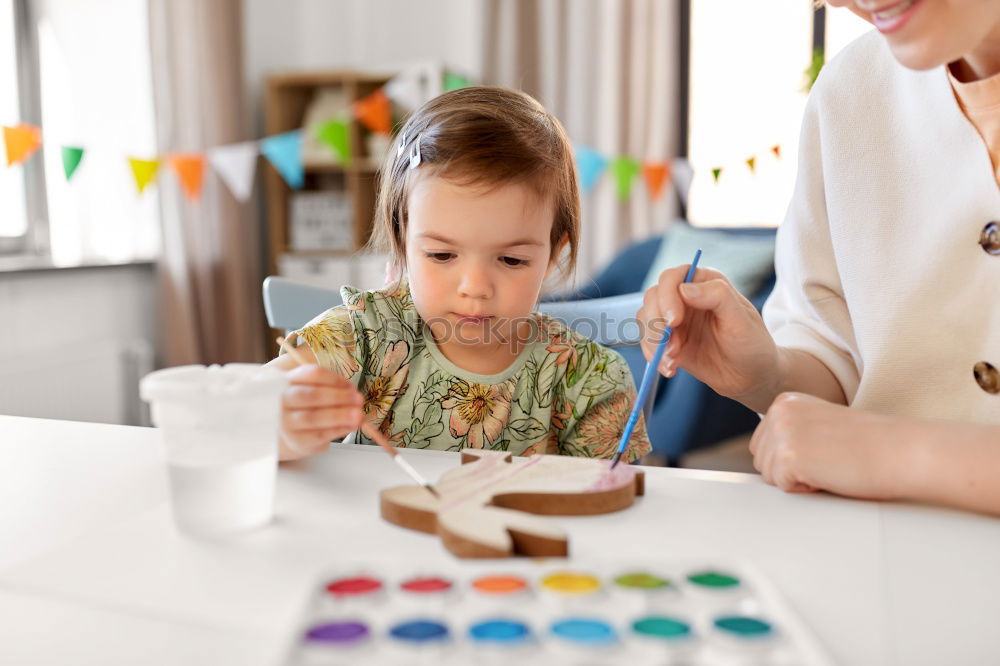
(571, 583)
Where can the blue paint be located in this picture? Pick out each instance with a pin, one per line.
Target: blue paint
(420, 631)
(500, 631)
(583, 630)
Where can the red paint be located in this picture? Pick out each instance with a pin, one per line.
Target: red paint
(354, 587)
(426, 585)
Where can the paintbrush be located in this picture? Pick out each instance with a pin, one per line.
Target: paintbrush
(371, 431)
(648, 376)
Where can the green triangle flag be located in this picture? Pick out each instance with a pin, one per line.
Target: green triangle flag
(454, 81)
(71, 156)
(625, 169)
(334, 134)
(715, 173)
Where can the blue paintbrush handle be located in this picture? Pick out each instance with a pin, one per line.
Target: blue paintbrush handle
(649, 374)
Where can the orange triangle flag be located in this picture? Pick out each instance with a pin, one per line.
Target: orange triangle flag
(776, 150)
(375, 112)
(21, 142)
(190, 169)
(656, 174)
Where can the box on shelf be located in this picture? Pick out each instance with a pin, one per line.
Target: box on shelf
(321, 221)
(363, 270)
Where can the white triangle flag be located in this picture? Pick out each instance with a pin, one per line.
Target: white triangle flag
(236, 164)
(682, 175)
(405, 90)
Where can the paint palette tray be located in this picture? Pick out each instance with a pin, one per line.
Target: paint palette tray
(548, 612)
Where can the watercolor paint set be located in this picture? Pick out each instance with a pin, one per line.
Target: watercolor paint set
(549, 612)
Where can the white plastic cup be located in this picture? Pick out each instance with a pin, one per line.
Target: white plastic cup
(220, 432)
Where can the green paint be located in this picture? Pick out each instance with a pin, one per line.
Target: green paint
(744, 627)
(661, 626)
(713, 579)
(642, 580)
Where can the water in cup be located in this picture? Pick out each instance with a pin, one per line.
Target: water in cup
(220, 431)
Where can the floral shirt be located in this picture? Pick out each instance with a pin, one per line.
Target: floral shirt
(563, 394)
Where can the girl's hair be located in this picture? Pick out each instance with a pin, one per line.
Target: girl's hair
(481, 137)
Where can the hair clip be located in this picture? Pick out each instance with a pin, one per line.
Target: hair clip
(415, 153)
(402, 144)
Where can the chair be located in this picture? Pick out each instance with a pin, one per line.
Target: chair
(608, 321)
(290, 305)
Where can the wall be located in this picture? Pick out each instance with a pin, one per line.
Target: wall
(74, 341)
(369, 34)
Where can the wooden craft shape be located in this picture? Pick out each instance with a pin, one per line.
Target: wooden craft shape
(485, 504)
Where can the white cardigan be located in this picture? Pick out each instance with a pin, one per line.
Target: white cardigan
(880, 272)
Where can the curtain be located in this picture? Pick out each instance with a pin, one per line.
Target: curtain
(608, 70)
(210, 271)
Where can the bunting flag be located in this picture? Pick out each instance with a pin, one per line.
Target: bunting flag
(375, 112)
(405, 90)
(235, 164)
(21, 141)
(71, 156)
(144, 171)
(625, 169)
(190, 170)
(334, 134)
(454, 81)
(284, 152)
(590, 164)
(682, 175)
(656, 175)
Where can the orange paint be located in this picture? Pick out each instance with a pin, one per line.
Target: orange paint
(499, 584)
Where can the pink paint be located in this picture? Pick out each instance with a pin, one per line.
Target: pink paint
(612, 479)
(534, 460)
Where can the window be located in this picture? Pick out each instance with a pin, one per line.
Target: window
(746, 95)
(13, 209)
(92, 73)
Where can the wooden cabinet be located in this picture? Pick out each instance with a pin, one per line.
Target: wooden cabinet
(288, 99)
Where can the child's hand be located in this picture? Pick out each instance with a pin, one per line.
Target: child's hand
(719, 337)
(806, 444)
(319, 405)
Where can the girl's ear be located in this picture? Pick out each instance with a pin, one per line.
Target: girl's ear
(556, 252)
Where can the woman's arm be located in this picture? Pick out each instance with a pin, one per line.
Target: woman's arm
(805, 444)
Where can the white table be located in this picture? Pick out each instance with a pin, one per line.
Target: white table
(92, 570)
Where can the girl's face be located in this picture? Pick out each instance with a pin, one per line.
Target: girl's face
(476, 259)
(927, 33)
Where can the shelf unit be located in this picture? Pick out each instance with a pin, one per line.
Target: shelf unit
(286, 101)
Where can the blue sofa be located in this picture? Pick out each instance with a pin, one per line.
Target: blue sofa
(687, 414)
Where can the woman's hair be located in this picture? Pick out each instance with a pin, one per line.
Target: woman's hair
(481, 137)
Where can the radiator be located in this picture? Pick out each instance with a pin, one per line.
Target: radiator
(96, 382)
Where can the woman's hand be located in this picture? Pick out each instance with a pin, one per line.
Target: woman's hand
(718, 335)
(319, 405)
(805, 444)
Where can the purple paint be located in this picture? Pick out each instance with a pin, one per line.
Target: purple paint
(342, 633)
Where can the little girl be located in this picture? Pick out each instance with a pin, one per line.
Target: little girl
(477, 201)
(888, 292)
